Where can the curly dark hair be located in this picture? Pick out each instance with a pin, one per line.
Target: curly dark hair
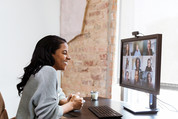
(42, 55)
(136, 62)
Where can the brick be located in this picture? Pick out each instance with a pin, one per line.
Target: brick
(103, 6)
(103, 56)
(112, 40)
(114, 7)
(102, 49)
(88, 63)
(97, 26)
(95, 13)
(114, 1)
(96, 77)
(94, 1)
(87, 82)
(84, 70)
(112, 24)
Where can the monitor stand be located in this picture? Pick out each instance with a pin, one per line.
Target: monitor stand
(141, 110)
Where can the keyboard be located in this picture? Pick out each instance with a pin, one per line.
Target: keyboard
(105, 112)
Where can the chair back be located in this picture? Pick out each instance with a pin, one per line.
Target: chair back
(3, 112)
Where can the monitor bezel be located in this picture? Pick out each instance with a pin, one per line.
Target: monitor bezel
(158, 38)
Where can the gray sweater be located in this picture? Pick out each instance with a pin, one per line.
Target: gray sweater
(40, 97)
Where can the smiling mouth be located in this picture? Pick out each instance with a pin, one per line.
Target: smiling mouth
(66, 63)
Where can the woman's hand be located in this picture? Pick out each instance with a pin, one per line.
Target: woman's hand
(70, 96)
(76, 101)
(64, 101)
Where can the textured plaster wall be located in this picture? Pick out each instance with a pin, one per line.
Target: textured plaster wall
(71, 20)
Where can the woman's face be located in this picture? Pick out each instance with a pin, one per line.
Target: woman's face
(136, 75)
(137, 47)
(149, 77)
(127, 75)
(138, 63)
(149, 63)
(61, 57)
(127, 61)
(149, 44)
(127, 47)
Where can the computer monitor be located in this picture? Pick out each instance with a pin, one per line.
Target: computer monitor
(140, 64)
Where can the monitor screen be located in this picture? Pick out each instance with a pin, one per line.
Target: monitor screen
(141, 63)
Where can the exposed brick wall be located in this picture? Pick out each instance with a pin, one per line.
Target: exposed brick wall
(92, 52)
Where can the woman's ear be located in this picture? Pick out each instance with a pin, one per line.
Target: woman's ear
(53, 55)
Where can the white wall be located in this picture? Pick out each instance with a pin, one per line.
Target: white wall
(22, 24)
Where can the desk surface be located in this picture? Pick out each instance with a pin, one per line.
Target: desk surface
(84, 113)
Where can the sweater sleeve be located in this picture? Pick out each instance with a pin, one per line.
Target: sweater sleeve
(46, 100)
(61, 94)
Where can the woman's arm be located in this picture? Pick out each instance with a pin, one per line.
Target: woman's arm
(64, 101)
(74, 103)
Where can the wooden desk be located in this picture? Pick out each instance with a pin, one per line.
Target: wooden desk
(84, 113)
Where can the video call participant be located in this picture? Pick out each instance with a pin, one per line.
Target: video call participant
(41, 97)
(136, 78)
(137, 51)
(127, 79)
(127, 64)
(137, 64)
(148, 67)
(149, 50)
(127, 52)
(149, 80)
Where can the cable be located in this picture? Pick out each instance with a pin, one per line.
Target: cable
(166, 104)
(136, 33)
(141, 34)
(160, 106)
(175, 110)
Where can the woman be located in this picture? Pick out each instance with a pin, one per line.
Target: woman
(149, 50)
(127, 53)
(41, 98)
(136, 77)
(149, 80)
(127, 79)
(137, 64)
(127, 64)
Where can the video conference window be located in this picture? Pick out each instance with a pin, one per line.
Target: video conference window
(139, 61)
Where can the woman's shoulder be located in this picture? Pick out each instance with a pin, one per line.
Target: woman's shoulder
(47, 68)
(47, 71)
